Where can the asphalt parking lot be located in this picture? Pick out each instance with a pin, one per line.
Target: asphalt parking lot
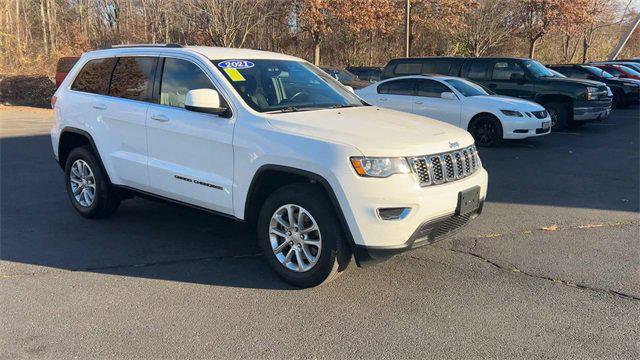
(551, 268)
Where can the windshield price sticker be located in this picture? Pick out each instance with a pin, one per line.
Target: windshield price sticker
(236, 64)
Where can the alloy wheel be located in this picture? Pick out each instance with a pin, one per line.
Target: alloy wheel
(295, 238)
(83, 183)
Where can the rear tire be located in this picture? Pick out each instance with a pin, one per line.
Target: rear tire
(559, 114)
(486, 130)
(301, 257)
(87, 185)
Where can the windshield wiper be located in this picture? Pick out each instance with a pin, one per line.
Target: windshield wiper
(286, 109)
(338, 106)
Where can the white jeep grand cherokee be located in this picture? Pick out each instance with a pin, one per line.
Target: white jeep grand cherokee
(265, 138)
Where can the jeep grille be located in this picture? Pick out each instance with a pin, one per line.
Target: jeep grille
(446, 167)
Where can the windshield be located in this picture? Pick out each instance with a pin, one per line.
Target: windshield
(285, 85)
(598, 72)
(467, 88)
(536, 69)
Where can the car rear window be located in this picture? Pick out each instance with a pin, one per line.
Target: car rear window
(94, 76)
(133, 78)
(408, 68)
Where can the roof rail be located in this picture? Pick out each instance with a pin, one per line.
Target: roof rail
(141, 45)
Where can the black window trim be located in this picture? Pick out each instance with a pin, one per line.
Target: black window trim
(155, 98)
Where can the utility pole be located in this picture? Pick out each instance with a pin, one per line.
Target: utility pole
(407, 29)
(623, 40)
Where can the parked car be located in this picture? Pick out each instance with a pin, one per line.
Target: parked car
(345, 77)
(621, 71)
(625, 91)
(635, 66)
(570, 102)
(366, 73)
(268, 139)
(489, 118)
(63, 67)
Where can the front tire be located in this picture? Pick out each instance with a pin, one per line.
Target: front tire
(300, 236)
(87, 185)
(486, 131)
(559, 114)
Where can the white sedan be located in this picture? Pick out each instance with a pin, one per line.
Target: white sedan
(489, 118)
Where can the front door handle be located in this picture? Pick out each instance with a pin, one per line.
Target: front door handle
(493, 86)
(99, 106)
(418, 102)
(160, 117)
(383, 99)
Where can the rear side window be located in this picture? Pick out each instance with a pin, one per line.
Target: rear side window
(94, 76)
(398, 87)
(178, 77)
(478, 70)
(133, 78)
(436, 67)
(408, 68)
(430, 88)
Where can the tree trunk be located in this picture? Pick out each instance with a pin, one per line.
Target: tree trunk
(316, 51)
(370, 48)
(585, 49)
(532, 47)
(45, 42)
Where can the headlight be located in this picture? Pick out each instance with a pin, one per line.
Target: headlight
(379, 167)
(511, 113)
(591, 93)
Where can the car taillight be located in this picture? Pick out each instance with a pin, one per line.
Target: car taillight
(53, 101)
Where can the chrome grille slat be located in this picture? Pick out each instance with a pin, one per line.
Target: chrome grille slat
(446, 167)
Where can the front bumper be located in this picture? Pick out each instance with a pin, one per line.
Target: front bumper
(592, 110)
(427, 233)
(522, 128)
(427, 204)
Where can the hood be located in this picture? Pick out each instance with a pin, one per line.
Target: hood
(574, 81)
(374, 131)
(511, 102)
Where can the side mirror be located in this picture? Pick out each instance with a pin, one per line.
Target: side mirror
(350, 89)
(448, 96)
(205, 101)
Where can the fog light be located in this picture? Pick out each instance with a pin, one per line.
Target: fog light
(397, 213)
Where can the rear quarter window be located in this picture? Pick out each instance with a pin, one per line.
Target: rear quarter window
(408, 68)
(94, 76)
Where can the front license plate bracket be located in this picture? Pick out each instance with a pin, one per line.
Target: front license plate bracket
(468, 200)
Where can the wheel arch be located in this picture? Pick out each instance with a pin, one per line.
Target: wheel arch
(549, 98)
(270, 177)
(480, 115)
(70, 138)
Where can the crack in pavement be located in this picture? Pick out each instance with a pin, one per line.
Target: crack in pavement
(125, 266)
(515, 269)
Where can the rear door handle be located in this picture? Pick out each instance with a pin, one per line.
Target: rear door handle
(160, 117)
(99, 106)
(383, 99)
(418, 102)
